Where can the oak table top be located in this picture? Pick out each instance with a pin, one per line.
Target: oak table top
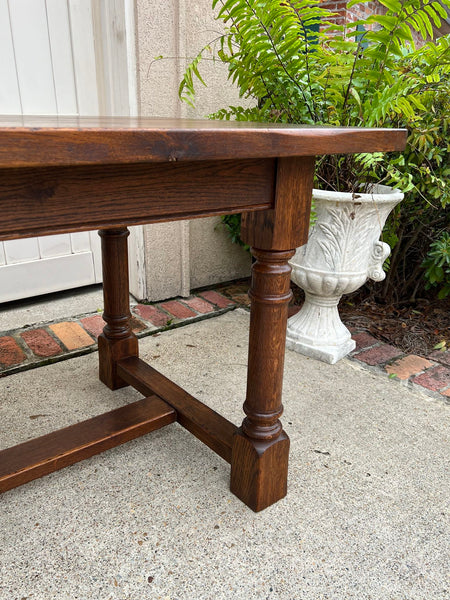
(44, 141)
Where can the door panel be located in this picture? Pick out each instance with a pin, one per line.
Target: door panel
(18, 251)
(48, 264)
(32, 56)
(96, 248)
(54, 245)
(80, 241)
(54, 61)
(27, 279)
(62, 58)
(9, 88)
(87, 80)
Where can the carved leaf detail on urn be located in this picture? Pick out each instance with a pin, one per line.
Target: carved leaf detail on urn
(338, 242)
(342, 252)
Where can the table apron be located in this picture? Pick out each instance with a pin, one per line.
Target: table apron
(49, 200)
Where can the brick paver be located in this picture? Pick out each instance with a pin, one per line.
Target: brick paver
(72, 335)
(136, 325)
(94, 324)
(200, 305)
(147, 317)
(363, 340)
(441, 357)
(10, 352)
(41, 342)
(151, 313)
(242, 299)
(178, 310)
(408, 365)
(378, 354)
(217, 299)
(237, 288)
(435, 379)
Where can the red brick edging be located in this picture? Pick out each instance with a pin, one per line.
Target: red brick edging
(35, 346)
(431, 373)
(38, 345)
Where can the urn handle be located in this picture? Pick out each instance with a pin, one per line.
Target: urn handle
(380, 252)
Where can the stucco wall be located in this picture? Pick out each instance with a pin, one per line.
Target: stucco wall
(182, 256)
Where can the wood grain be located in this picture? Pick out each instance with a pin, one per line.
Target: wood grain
(73, 174)
(64, 447)
(270, 294)
(259, 470)
(206, 424)
(40, 141)
(63, 199)
(261, 447)
(117, 340)
(286, 225)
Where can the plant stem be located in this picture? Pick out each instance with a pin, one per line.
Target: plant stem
(282, 65)
(347, 93)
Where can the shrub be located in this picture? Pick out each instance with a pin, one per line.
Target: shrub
(437, 265)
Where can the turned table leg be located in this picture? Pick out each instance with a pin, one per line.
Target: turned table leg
(117, 340)
(261, 448)
(259, 461)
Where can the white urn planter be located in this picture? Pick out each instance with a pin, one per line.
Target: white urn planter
(342, 253)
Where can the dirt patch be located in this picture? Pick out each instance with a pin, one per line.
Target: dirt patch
(415, 329)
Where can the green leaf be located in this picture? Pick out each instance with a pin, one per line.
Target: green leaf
(387, 21)
(393, 5)
(441, 346)
(416, 101)
(353, 2)
(439, 9)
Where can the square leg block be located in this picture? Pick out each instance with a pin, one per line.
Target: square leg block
(259, 470)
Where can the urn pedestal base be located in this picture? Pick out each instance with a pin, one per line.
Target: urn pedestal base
(317, 331)
(327, 354)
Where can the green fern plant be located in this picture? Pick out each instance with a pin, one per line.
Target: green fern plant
(295, 72)
(293, 64)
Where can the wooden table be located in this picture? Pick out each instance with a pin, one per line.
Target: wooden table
(60, 175)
